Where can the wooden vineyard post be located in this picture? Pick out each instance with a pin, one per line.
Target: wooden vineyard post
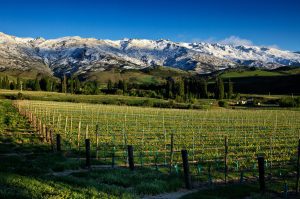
(78, 136)
(298, 169)
(171, 152)
(44, 132)
(34, 124)
(30, 119)
(113, 157)
(130, 157)
(58, 143)
(186, 169)
(261, 170)
(37, 126)
(51, 139)
(40, 127)
(88, 153)
(47, 134)
(87, 132)
(226, 159)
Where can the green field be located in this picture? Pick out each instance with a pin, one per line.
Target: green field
(106, 99)
(264, 73)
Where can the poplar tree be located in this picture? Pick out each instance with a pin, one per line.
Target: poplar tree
(64, 84)
(109, 85)
(230, 89)
(36, 85)
(18, 83)
(219, 90)
(203, 88)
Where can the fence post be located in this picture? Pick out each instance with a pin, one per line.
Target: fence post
(186, 169)
(88, 153)
(130, 157)
(225, 159)
(261, 169)
(58, 142)
(298, 169)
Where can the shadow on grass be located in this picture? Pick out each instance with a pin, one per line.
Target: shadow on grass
(237, 191)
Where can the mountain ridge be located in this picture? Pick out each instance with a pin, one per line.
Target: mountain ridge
(76, 55)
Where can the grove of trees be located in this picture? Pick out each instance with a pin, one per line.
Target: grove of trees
(179, 89)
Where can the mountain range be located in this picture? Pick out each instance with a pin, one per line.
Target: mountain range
(76, 55)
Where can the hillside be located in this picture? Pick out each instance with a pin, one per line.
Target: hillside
(284, 80)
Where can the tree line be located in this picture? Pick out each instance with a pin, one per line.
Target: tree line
(64, 85)
(179, 89)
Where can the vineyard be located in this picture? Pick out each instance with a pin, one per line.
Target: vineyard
(158, 135)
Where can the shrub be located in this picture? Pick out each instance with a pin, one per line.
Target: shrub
(20, 96)
(222, 103)
(148, 102)
(289, 102)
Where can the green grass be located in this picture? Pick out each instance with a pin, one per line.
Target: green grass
(105, 99)
(255, 73)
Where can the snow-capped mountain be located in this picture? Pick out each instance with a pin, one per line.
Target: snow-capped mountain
(70, 55)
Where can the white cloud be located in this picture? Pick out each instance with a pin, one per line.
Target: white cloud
(234, 40)
(273, 46)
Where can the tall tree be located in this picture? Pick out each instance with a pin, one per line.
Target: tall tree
(203, 88)
(170, 87)
(71, 82)
(109, 85)
(12, 85)
(77, 85)
(219, 90)
(5, 82)
(64, 84)
(45, 84)
(230, 89)
(125, 86)
(179, 85)
(36, 85)
(18, 83)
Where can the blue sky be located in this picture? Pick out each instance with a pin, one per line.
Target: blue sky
(259, 22)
